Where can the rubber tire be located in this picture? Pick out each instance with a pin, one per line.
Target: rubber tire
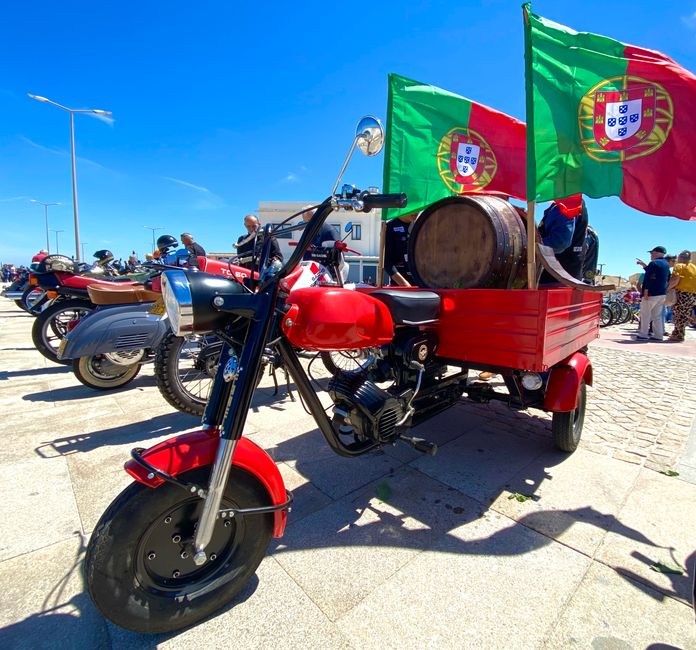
(82, 370)
(109, 566)
(43, 321)
(605, 316)
(567, 427)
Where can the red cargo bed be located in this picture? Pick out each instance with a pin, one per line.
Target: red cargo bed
(520, 329)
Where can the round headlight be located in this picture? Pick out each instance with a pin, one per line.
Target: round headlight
(532, 381)
(178, 303)
(191, 299)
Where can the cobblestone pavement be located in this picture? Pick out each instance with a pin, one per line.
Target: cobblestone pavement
(640, 408)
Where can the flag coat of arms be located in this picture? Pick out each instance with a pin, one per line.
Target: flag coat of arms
(440, 144)
(608, 119)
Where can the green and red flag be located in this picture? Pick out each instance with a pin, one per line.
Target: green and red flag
(440, 144)
(608, 119)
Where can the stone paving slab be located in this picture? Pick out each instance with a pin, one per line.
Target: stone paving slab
(564, 503)
(490, 583)
(663, 509)
(393, 549)
(611, 612)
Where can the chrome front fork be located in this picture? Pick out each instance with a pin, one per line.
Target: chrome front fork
(211, 506)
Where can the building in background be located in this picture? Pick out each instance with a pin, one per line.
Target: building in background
(364, 237)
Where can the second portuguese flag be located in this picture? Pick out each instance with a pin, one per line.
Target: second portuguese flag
(440, 144)
(608, 119)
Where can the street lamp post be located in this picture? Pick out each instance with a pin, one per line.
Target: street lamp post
(45, 205)
(72, 112)
(57, 231)
(153, 235)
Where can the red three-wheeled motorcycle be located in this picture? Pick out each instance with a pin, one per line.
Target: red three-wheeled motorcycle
(183, 539)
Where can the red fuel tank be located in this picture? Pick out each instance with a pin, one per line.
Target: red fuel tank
(333, 318)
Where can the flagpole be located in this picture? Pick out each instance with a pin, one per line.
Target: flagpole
(380, 264)
(531, 247)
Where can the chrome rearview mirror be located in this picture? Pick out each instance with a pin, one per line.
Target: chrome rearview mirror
(369, 135)
(369, 138)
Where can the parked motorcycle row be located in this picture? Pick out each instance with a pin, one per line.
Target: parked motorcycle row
(185, 537)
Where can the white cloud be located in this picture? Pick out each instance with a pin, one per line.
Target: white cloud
(199, 188)
(690, 21)
(290, 177)
(14, 198)
(59, 152)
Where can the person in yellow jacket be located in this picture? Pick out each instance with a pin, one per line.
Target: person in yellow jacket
(684, 281)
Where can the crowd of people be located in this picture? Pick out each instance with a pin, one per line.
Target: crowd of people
(667, 281)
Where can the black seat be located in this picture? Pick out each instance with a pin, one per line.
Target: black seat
(410, 307)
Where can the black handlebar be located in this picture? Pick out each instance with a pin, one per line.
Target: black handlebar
(371, 201)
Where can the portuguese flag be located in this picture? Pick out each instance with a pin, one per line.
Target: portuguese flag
(608, 119)
(440, 144)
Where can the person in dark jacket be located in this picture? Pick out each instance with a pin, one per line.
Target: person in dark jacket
(653, 299)
(563, 228)
(249, 246)
(193, 247)
(396, 250)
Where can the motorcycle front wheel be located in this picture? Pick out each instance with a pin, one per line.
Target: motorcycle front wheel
(99, 373)
(139, 565)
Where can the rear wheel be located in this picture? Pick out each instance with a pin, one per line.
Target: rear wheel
(139, 565)
(344, 360)
(605, 316)
(29, 297)
(99, 372)
(52, 324)
(567, 427)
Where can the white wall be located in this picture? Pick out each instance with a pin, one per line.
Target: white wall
(368, 244)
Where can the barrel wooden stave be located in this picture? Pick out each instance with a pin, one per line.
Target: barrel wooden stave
(469, 242)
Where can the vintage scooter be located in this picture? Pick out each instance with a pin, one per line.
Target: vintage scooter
(108, 347)
(184, 538)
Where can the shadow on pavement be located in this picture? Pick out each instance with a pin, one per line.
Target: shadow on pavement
(80, 391)
(136, 432)
(51, 370)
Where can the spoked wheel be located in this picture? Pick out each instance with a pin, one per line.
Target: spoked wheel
(605, 316)
(52, 324)
(344, 360)
(139, 565)
(108, 371)
(185, 368)
(567, 427)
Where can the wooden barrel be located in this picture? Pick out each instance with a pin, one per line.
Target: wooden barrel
(469, 242)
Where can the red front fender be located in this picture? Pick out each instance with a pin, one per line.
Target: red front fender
(564, 383)
(197, 449)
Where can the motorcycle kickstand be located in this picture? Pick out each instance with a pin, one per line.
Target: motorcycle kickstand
(287, 385)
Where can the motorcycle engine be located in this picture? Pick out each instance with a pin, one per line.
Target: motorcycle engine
(363, 408)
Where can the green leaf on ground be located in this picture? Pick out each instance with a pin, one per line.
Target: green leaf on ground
(666, 567)
(383, 491)
(669, 472)
(519, 497)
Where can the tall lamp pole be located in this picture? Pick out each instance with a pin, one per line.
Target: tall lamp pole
(45, 205)
(72, 112)
(57, 231)
(153, 235)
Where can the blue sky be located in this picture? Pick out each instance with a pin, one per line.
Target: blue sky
(220, 105)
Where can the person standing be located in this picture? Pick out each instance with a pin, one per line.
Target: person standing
(653, 299)
(193, 247)
(684, 281)
(396, 250)
(327, 233)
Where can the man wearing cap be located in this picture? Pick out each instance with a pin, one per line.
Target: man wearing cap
(653, 294)
(193, 247)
